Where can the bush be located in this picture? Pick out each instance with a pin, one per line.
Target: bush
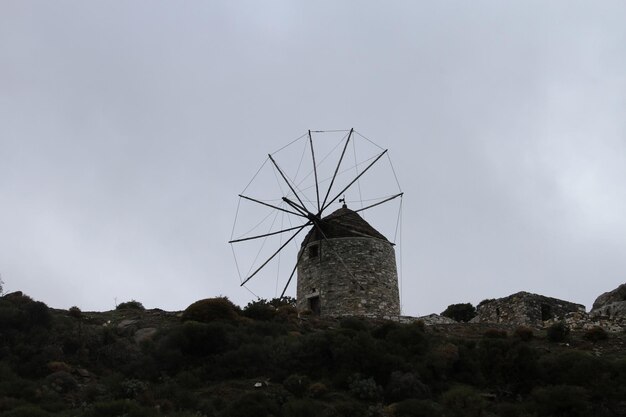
(354, 323)
(460, 312)
(297, 384)
(26, 411)
(259, 310)
(365, 388)
(130, 305)
(252, 404)
(561, 400)
(417, 408)
(37, 314)
(75, 312)
(524, 333)
(558, 332)
(404, 385)
(120, 408)
(304, 408)
(463, 401)
(317, 390)
(495, 334)
(595, 334)
(210, 309)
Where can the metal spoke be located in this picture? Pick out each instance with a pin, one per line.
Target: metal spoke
(276, 253)
(286, 180)
(379, 203)
(264, 235)
(269, 205)
(354, 180)
(335, 174)
(317, 189)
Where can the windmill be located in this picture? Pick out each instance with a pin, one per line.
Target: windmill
(344, 266)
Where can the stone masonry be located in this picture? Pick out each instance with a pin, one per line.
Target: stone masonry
(525, 308)
(348, 276)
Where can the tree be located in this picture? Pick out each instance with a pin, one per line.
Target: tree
(460, 312)
(1, 286)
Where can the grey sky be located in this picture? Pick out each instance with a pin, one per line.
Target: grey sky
(128, 128)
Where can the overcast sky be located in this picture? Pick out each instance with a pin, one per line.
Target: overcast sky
(127, 129)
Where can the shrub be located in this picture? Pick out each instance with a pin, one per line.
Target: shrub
(75, 312)
(463, 401)
(495, 334)
(417, 408)
(119, 408)
(595, 334)
(558, 332)
(561, 400)
(304, 408)
(297, 384)
(210, 309)
(199, 339)
(259, 310)
(252, 404)
(524, 333)
(365, 388)
(460, 312)
(130, 305)
(26, 411)
(317, 390)
(37, 314)
(403, 385)
(354, 323)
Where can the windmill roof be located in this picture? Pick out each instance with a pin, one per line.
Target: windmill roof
(342, 223)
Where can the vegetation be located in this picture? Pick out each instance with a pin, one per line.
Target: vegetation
(211, 309)
(218, 360)
(460, 312)
(130, 305)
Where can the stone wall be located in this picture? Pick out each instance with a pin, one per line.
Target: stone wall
(524, 308)
(349, 277)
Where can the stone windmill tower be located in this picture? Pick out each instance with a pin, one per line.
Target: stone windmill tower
(347, 268)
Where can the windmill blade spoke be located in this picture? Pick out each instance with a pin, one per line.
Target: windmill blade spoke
(335, 174)
(276, 253)
(354, 180)
(270, 205)
(264, 235)
(306, 242)
(380, 202)
(296, 206)
(286, 180)
(317, 188)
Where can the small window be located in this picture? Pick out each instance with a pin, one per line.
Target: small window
(315, 306)
(314, 251)
(546, 312)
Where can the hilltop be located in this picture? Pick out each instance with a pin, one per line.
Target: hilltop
(216, 359)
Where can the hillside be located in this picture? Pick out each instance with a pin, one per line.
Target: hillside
(216, 359)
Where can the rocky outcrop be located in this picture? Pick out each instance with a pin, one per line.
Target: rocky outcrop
(611, 304)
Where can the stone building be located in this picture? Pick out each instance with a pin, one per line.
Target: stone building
(347, 269)
(524, 308)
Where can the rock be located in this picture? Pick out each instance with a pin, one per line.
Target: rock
(616, 309)
(83, 372)
(56, 366)
(145, 334)
(125, 323)
(610, 297)
(61, 381)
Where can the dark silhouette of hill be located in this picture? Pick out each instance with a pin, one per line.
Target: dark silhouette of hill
(216, 359)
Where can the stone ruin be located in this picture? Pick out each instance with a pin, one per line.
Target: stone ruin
(525, 308)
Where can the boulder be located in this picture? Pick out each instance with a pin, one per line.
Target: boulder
(617, 295)
(145, 334)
